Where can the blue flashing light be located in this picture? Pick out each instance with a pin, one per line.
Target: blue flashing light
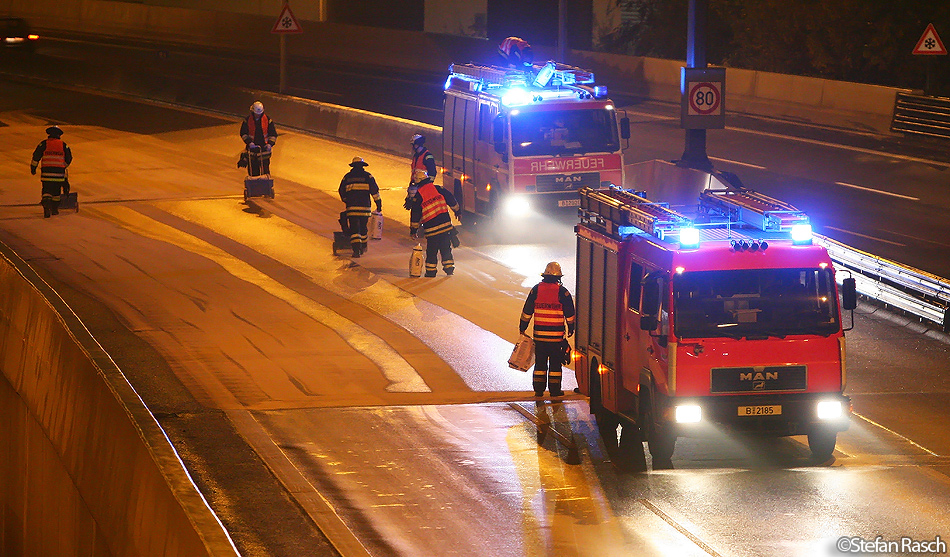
(801, 234)
(600, 91)
(627, 230)
(689, 238)
(515, 96)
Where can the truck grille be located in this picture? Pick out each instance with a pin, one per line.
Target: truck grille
(567, 182)
(758, 379)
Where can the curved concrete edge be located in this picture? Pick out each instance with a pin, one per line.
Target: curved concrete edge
(90, 472)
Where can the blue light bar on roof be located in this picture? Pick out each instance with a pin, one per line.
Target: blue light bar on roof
(801, 234)
(600, 91)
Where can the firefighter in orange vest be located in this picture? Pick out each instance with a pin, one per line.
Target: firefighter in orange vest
(552, 306)
(52, 156)
(422, 159)
(260, 136)
(429, 209)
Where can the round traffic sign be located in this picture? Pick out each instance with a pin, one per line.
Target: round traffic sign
(705, 98)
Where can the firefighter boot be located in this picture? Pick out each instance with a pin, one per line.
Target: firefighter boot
(54, 206)
(46, 207)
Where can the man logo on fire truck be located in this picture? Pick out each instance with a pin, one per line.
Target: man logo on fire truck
(527, 137)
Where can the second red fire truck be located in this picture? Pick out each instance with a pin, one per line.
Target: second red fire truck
(729, 319)
(516, 139)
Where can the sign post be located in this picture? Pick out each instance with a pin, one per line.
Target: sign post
(930, 45)
(286, 23)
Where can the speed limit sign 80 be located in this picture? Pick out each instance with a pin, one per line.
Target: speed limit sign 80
(703, 93)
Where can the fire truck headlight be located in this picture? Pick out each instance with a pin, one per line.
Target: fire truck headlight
(515, 97)
(517, 206)
(688, 414)
(829, 410)
(801, 234)
(689, 238)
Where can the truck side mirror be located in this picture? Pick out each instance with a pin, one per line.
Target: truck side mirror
(625, 128)
(650, 304)
(849, 294)
(498, 134)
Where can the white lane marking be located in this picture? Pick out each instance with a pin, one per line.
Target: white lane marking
(892, 432)
(865, 236)
(842, 147)
(649, 115)
(750, 165)
(402, 376)
(927, 240)
(882, 192)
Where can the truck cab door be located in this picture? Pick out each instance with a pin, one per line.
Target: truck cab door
(655, 320)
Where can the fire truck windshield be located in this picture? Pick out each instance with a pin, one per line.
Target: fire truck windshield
(754, 303)
(563, 132)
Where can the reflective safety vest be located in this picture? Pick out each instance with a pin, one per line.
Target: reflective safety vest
(433, 203)
(53, 163)
(419, 162)
(252, 126)
(548, 313)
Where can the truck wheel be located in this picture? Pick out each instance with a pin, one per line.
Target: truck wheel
(821, 442)
(630, 455)
(660, 439)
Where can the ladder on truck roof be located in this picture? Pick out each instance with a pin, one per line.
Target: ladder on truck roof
(751, 208)
(506, 77)
(614, 209)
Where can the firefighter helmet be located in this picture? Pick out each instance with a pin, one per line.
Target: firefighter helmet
(257, 107)
(418, 175)
(54, 131)
(418, 139)
(553, 269)
(358, 161)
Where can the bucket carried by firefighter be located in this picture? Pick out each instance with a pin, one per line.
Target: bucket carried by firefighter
(522, 357)
(376, 225)
(415, 261)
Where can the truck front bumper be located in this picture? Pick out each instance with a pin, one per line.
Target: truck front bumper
(766, 414)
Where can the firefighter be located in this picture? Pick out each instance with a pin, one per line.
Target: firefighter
(358, 190)
(422, 159)
(552, 306)
(429, 209)
(516, 52)
(260, 136)
(53, 156)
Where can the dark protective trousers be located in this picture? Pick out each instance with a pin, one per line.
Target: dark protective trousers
(436, 246)
(358, 227)
(547, 366)
(258, 162)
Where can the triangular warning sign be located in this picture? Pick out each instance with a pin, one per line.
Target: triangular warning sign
(930, 42)
(286, 22)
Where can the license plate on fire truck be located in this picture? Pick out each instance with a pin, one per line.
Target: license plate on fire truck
(760, 410)
(569, 202)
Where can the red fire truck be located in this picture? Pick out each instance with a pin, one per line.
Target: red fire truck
(726, 320)
(516, 139)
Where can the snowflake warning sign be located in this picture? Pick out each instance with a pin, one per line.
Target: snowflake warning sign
(930, 42)
(286, 22)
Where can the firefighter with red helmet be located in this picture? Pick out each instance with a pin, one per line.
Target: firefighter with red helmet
(429, 209)
(358, 190)
(259, 135)
(516, 52)
(53, 156)
(552, 306)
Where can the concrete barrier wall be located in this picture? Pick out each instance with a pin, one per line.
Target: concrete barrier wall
(86, 469)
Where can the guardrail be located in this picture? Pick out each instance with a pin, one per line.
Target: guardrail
(906, 288)
(922, 115)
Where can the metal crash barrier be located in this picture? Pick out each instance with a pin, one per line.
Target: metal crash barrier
(906, 288)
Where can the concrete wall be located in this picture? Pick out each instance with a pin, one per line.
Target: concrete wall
(86, 470)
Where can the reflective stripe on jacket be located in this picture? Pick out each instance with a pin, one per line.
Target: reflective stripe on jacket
(53, 163)
(548, 313)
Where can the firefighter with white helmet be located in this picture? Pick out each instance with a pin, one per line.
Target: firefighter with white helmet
(358, 190)
(552, 307)
(429, 209)
(259, 135)
(52, 155)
